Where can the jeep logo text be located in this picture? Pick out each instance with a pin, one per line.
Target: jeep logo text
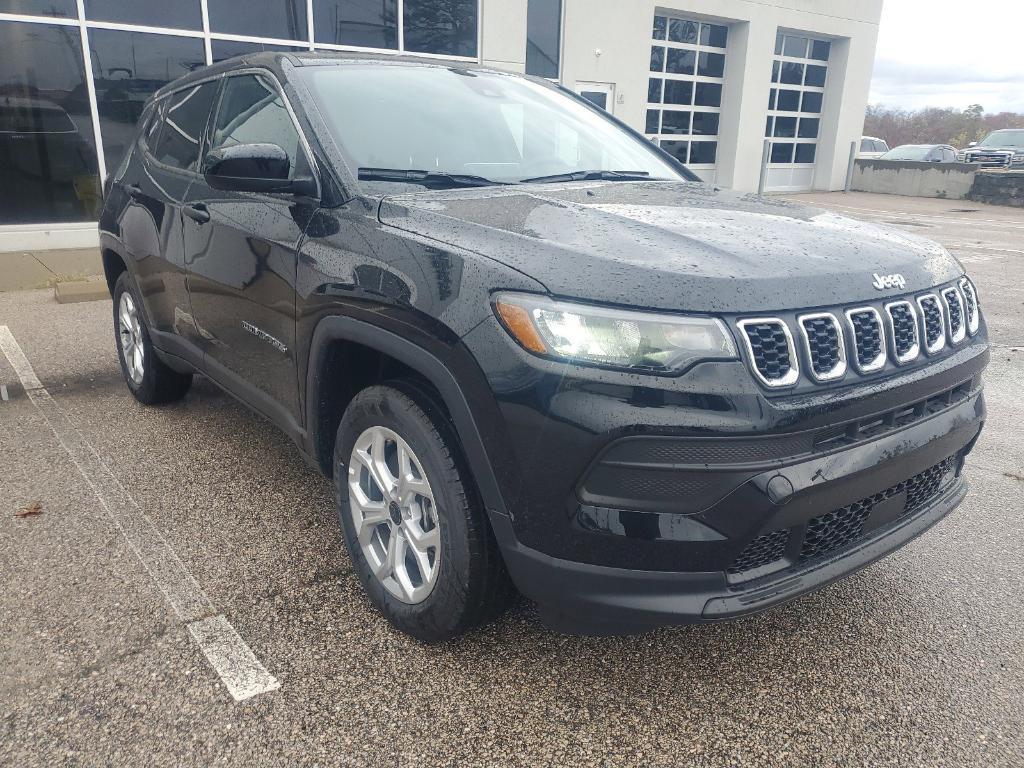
(882, 282)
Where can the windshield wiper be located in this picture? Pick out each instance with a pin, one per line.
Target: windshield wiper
(589, 176)
(432, 179)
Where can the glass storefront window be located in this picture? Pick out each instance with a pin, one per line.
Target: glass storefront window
(182, 14)
(543, 37)
(61, 9)
(279, 19)
(447, 27)
(48, 140)
(366, 23)
(127, 68)
(47, 148)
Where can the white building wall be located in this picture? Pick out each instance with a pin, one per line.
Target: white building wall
(609, 41)
(503, 34)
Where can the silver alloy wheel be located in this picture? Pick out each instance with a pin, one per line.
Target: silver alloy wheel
(394, 514)
(131, 338)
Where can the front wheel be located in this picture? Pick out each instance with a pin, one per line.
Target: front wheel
(414, 527)
(148, 378)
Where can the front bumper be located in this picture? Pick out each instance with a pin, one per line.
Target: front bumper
(597, 599)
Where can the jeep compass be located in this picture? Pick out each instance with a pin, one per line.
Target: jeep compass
(531, 349)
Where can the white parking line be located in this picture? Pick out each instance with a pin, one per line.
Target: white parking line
(242, 673)
(234, 661)
(4, 395)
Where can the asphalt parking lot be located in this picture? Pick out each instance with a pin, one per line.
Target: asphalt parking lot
(918, 660)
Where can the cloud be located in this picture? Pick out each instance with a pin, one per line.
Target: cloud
(928, 57)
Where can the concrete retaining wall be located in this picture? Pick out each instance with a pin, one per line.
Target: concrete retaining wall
(999, 188)
(952, 181)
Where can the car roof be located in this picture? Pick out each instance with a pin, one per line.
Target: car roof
(274, 60)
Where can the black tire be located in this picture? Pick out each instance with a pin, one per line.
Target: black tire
(472, 585)
(159, 383)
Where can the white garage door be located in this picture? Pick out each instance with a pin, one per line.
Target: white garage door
(684, 94)
(799, 75)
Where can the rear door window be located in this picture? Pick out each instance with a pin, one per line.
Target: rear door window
(185, 119)
(253, 112)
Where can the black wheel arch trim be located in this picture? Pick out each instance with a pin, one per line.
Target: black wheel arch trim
(426, 364)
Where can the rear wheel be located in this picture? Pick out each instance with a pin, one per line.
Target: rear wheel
(148, 378)
(413, 524)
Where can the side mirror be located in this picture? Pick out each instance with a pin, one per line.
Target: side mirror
(253, 168)
(973, 144)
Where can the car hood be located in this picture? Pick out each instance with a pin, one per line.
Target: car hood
(667, 245)
(976, 150)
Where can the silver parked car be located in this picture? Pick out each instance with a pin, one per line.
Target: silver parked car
(922, 153)
(872, 148)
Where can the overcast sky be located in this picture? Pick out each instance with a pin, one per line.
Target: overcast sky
(929, 56)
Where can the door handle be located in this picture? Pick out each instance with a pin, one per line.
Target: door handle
(134, 190)
(197, 212)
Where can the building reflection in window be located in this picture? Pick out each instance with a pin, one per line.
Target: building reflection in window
(127, 68)
(47, 148)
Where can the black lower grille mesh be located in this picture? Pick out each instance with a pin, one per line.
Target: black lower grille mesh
(932, 321)
(867, 335)
(762, 551)
(842, 527)
(770, 348)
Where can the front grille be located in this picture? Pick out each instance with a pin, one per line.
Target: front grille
(934, 327)
(871, 338)
(842, 527)
(762, 551)
(971, 300)
(955, 314)
(771, 350)
(868, 339)
(993, 159)
(904, 331)
(824, 342)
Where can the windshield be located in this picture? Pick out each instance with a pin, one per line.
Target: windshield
(1004, 139)
(488, 125)
(908, 152)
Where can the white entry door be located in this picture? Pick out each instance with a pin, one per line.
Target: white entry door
(601, 94)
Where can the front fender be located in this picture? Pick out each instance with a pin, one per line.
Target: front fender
(459, 381)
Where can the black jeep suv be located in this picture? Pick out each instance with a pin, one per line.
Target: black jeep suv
(531, 349)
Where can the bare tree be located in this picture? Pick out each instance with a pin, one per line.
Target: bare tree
(935, 125)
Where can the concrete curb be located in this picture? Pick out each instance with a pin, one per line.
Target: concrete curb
(72, 293)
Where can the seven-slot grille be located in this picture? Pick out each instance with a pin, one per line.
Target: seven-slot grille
(868, 338)
(770, 345)
(903, 331)
(825, 346)
(934, 325)
(955, 312)
(900, 332)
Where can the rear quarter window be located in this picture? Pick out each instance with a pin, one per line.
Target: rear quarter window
(186, 115)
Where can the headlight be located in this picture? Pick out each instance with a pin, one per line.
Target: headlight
(617, 338)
